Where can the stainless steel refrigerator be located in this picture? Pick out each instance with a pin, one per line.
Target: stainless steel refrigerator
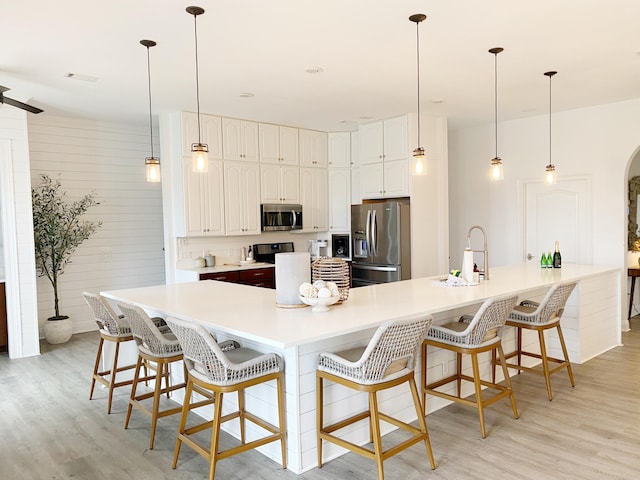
(381, 236)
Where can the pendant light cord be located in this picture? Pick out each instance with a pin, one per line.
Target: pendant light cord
(150, 117)
(495, 97)
(195, 30)
(550, 119)
(418, 75)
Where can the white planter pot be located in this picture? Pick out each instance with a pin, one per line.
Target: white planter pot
(58, 331)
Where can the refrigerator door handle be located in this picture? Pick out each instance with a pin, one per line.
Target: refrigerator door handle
(376, 268)
(374, 234)
(368, 233)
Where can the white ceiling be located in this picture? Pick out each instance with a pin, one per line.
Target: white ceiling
(366, 48)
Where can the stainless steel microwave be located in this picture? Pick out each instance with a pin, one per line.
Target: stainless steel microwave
(278, 217)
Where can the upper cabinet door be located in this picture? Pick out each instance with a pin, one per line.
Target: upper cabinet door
(371, 143)
(339, 149)
(210, 133)
(396, 145)
(278, 144)
(249, 137)
(231, 135)
(289, 145)
(269, 143)
(313, 148)
(240, 140)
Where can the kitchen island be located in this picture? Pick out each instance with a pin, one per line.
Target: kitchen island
(591, 324)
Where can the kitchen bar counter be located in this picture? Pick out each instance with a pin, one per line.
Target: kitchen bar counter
(591, 325)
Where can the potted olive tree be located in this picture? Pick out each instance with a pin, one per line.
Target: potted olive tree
(58, 230)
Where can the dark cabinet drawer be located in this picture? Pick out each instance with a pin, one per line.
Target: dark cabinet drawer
(258, 277)
(232, 277)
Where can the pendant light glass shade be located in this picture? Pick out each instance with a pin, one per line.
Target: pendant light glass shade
(550, 169)
(152, 163)
(200, 159)
(419, 165)
(496, 173)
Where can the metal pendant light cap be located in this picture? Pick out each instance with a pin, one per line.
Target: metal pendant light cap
(195, 10)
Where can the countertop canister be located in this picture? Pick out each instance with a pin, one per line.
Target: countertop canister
(292, 270)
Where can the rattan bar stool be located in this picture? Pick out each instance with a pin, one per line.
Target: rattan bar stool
(160, 347)
(113, 328)
(540, 317)
(386, 362)
(472, 335)
(220, 369)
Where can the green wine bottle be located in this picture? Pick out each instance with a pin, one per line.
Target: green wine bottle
(557, 258)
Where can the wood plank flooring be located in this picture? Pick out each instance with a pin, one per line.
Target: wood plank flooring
(50, 430)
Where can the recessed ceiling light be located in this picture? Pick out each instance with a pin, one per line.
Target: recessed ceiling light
(437, 100)
(79, 76)
(364, 117)
(528, 110)
(314, 70)
(246, 95)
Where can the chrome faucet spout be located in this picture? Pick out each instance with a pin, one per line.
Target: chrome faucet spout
(485, 250)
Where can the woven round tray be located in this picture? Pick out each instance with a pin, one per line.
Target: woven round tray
(332, 270)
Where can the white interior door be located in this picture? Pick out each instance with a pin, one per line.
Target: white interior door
(559, 212)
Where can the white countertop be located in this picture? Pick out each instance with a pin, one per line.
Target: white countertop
(228, 267)
(250, 312)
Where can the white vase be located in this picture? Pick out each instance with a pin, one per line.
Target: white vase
(58, 331)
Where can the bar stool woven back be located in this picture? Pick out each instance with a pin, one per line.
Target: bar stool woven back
(387, 361)
(471, 335)
(160, 347)
(219, 369)
(115, 329)
(530, 315)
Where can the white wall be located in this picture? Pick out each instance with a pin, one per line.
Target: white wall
(15, 189)
(128, 250)
(596, 142)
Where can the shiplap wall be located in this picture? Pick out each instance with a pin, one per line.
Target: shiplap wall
(127, 250)
(17, 234)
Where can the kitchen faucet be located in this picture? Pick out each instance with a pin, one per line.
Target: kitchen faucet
(485, 251)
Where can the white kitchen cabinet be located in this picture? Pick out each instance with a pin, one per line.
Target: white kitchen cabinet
(371, 180)
(313, 148)
(278, 144)
(211, 133)
(385, 179)
(355, 149)
(314, 199)
(280, 184)
(339, 149)
(339, 199)
(356, 190)
(241, 198)
(386, 140)
(384, 158)
(240, 140)
(203, 200)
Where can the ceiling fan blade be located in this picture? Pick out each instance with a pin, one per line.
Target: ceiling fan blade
(16, 103)
(3, 89)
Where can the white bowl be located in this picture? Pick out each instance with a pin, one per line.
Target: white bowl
(319, 304)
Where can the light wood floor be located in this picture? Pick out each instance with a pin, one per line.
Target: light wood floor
(50, 430)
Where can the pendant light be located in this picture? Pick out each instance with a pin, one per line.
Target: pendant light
(496, 163)
(550, 170)
(152, 163)
(419, 166)
(198, 150)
